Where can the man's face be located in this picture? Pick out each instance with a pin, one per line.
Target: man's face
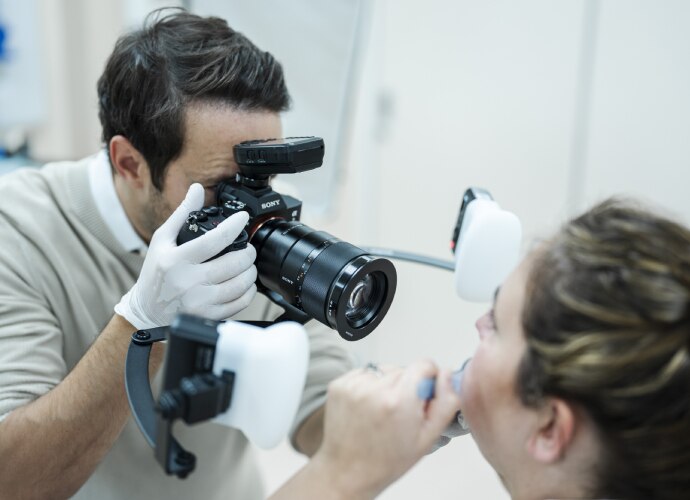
(207, 157)
(499, 421)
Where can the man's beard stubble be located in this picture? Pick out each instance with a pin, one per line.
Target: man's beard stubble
(156, 212)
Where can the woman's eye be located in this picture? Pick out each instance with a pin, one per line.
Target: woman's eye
(492, 318)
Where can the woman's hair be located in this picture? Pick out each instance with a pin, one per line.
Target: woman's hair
(607, 325)
(174, 60)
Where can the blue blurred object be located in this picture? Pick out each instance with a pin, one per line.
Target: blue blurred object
(457, 426)
(3, 37)
(10, 163)
(427, 387)
(23, 98)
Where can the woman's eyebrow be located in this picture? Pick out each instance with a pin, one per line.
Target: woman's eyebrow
(493, 308)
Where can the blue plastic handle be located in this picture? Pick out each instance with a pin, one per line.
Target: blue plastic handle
(427, 387)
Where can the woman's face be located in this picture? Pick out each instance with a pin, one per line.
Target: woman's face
(500, 423)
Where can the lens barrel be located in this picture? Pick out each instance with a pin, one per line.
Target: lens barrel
(334, 282)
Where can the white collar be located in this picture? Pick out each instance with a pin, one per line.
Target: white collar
(109, 205)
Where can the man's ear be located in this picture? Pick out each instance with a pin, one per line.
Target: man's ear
(554, 433)
(128, 162)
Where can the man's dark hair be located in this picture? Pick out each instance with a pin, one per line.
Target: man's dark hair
(175, 59)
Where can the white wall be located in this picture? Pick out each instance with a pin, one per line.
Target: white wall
(638, 141)
(76, 37)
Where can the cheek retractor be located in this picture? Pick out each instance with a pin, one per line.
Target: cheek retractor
(426, 391)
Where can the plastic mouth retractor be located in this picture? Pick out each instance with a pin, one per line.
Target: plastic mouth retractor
(426, 390)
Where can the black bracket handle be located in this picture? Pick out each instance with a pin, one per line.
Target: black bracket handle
(157, 430)
(191, 391)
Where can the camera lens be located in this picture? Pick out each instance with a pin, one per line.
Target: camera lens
(331, 280)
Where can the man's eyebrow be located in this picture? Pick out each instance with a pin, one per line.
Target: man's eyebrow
(498, 288)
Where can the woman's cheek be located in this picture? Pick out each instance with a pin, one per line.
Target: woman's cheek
(469, 391)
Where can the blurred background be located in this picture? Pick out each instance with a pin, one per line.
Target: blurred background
(551, 106)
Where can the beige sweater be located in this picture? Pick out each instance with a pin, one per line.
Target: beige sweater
(61, 272)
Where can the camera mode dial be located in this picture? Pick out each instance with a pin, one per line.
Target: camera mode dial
(233, 206)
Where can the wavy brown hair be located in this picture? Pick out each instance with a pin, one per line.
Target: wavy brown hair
(607, 324)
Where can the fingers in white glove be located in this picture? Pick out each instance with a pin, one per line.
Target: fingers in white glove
(229, 309)
(179, 278)
(194, 200)
(212, 300)
(228, 266)
(221, 311)
(213, 242)
(236, 287)
(186, 281)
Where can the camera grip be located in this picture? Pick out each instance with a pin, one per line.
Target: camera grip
(202, 221)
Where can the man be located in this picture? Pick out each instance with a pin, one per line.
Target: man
(79, 238)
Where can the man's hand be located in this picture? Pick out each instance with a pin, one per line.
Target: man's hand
(178, 278)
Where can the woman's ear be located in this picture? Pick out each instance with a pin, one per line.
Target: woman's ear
(554, 433)
(128, 162)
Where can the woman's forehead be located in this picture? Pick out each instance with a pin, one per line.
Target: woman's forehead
(510, 296)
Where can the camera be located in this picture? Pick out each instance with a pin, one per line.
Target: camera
(310, 273)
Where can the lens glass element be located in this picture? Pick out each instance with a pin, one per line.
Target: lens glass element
(365, 300)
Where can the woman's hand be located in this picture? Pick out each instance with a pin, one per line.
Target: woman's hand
(377, 427)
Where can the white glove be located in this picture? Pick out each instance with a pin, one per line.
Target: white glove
(177, 279)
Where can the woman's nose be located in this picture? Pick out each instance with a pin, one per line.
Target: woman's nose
(481, 324)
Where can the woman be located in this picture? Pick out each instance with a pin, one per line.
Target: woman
(579, 388)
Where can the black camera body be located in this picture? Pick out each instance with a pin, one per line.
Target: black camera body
(309, 273)
(250, 192)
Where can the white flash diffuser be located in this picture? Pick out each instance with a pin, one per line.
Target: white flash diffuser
(270, 366)
(487, 247)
